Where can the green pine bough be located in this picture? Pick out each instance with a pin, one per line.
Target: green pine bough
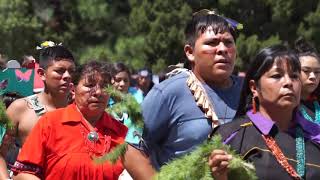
(112, 156)
(194, 166)
(4, 120)
(124, 103)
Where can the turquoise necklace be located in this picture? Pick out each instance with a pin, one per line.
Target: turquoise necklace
(317, 112)
(300, 145)
(300, 152)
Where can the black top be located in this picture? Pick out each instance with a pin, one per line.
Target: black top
(249, 143)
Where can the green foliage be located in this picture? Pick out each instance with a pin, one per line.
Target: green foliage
(249, 46)
(148, 33)
(125, 103)
(112, 156)
(17, 27)
(131, 51)
(195, 165)
(4, 120)
(99, 52)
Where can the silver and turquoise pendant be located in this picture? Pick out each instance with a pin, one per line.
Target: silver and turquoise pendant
(93, 136)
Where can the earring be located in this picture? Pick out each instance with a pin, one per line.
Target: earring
(254, 106)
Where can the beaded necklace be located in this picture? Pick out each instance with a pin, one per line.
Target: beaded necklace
(278, 154)
(300, 154)
(305, 114)
(300, 145)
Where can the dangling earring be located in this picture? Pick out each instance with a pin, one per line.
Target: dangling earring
(254, 107)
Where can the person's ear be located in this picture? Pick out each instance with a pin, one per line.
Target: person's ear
(112, 81)
(188, 50)
(253, 88)
(41, 73)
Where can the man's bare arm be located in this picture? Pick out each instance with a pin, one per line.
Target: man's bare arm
(138, 164)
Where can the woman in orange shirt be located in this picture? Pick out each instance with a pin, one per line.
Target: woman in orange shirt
(63, 142)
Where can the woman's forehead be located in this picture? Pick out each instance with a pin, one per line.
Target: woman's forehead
(283, 64)
(309, 61)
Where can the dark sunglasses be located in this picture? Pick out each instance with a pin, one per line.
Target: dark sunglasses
(204, 12)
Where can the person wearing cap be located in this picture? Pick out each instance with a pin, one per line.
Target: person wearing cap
(180, 112)
(145, 82)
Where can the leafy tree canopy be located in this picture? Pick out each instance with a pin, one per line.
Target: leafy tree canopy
(148, 32)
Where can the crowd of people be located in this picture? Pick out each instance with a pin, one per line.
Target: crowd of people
(271, 117)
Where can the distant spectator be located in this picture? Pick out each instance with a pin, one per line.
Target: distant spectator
(121, 81)
(162, 76)
(28, 61)
(145, 80)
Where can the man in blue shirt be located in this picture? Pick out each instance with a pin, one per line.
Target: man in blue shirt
(180, 112)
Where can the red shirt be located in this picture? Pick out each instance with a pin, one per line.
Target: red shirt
(58, 147)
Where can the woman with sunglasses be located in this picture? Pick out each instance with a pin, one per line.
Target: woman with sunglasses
(310, 77)
(268, 130)
(63, 142)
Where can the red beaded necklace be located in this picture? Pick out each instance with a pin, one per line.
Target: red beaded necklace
(278, 154)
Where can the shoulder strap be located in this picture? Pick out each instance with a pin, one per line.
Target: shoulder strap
(38, 108)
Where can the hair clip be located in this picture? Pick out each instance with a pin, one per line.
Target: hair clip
(47, 44)
(234, 23)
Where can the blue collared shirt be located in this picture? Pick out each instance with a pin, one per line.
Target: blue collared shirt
(311, 130)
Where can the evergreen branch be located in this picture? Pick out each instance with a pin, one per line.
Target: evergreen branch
(112, 156)
(4, 120)
(195, 165)
(125, 103)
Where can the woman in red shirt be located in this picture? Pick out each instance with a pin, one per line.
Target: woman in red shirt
(63, 143)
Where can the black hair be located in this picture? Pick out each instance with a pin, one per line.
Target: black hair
(90, 70)
(262, 63)
(119, 67)
(199, 23)
(55, 53)
(9, 97)
(304, 48)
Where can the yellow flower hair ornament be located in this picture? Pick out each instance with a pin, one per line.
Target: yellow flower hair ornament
(47, 44)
